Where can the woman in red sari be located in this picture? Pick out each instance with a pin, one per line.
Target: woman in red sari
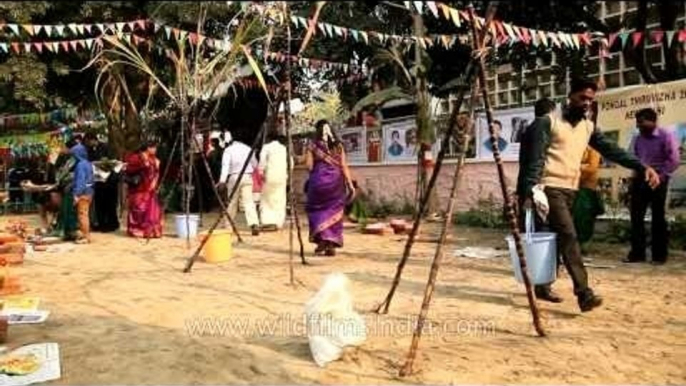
(145, 218)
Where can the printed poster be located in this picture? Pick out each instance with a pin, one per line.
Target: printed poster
(400, 141)
(616, 117)
(354, 142)
(509, 126)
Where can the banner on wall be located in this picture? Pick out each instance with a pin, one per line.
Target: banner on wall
(354, 142)
(400, 141)
(509, 125)
(616, 117)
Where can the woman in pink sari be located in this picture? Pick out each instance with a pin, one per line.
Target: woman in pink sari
(145, 218)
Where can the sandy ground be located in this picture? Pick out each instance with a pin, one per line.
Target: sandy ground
(124, 313)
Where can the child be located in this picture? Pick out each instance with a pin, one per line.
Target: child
(82, 190)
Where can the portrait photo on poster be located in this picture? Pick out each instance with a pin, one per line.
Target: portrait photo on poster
(509, 126)
(354, 142)
(400, 141)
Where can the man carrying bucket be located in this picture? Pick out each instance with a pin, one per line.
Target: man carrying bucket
(558, 145)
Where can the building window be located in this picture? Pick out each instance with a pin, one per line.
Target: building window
(613, 7)
(631, 78)
(613, 80)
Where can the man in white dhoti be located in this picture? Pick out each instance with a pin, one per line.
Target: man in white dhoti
(274, 168)
(233, 159)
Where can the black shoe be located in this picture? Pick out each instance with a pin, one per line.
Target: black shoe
(658, 262)
(589, 301)
(255, 230)
(548, 296)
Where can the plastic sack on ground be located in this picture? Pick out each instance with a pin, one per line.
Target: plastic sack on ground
(332, 323)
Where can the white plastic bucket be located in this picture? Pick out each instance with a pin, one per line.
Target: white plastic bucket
(541, 254)
(182, 230)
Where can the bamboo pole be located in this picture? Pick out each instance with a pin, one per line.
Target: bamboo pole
(479, 44)
(438, 257)
(294, 218)
(191, 260)
(225, 212)
(470, 72)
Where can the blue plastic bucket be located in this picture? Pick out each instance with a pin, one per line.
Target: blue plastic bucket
(182, 231)
(540, 249)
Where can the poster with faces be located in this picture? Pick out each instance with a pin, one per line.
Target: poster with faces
(400, 141)
(509, 126)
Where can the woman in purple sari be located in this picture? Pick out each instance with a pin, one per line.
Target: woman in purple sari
(327, 190)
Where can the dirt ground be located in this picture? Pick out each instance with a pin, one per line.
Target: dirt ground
(124, 313)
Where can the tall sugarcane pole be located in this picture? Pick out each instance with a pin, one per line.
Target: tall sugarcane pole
(479, 44)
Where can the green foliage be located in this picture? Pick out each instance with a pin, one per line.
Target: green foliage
(384, 208)
(488, 213)
(25, 77)
(378, 98)
(678, 233)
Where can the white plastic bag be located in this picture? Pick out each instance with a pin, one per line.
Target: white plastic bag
(541, 201)
(332, 323)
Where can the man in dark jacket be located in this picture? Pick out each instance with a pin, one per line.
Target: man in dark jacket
(82, 190)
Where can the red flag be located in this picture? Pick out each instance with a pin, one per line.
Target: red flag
(65, 45)
(39, 47)
(88, 27)
(141, 24)
(193, 37)
(73, 45)
(636, 37)
(585, 38)
(15, 47)
(526, 35)
(611, 41)
(682, 35)
(658, 36)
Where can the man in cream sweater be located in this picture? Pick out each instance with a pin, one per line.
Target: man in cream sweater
(558, 145)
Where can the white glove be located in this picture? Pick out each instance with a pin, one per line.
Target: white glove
(540, 201)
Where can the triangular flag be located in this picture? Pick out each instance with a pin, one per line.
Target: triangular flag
(55, 47)
(510, 31)
(355, 36)
(15, 47)
(193, 38)
(49, 47)
(455, 15)
(72, 28)
(39, 47)
(112, 27)
(132, 25)
(201, 38)
(526, 35)
(464, 15)
(156, 27)
(544, 38)
(127, 38)
(420, 6)
(89, 43)
(329, 30)
(682, 35)
(446, 10)
(636, 37)
(585, 38)
(88, 28)
(74, 45)
(624, 36)
(658, 36)
(433, 8)
(422, 43)
(141, 24)
(611, 40)
(534, 38)
(575, 39)
(446, 41)
(183, 34)
(80, 28)
(565, 39)
(59, 29)
(14, 28)
(345, 33)
(81, 43)
(294, 20)
(120, 26)
(48, 30)
(670, 37)
(167, 32)
(29, 29)
(407, 4)
(518, 32)
(365, 37)
(499, 27)
(65, 45)
(101, 27)
(338, 30)
(27, 47)
(3, 46)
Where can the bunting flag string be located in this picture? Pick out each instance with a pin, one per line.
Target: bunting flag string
(74, 29)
